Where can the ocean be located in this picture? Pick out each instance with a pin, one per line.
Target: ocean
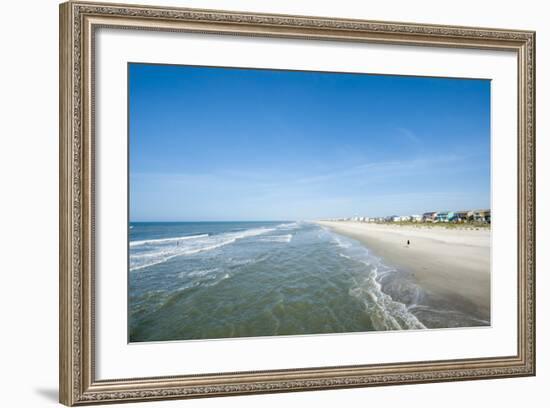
(210, 280)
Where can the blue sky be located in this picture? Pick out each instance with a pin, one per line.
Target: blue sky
(240, 144)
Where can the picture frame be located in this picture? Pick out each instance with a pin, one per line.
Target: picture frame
(79, 22)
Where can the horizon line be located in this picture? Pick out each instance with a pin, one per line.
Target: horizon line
(159, 221)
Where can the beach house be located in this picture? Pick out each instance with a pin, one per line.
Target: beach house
(463, 216)
(452, 217)
(428, 216)
(441, 216)
(482, 216)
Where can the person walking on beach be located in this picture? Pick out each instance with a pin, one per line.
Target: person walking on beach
(408, 243)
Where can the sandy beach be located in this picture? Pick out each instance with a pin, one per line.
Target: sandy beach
(451, 264)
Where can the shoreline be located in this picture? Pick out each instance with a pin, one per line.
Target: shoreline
(450, 264)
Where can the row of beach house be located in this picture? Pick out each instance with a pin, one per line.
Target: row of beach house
(479, 216)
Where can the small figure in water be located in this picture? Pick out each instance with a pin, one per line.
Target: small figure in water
(408, 243)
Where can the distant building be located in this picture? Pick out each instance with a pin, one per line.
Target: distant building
(429, 216)
(441, 216)
(482, 216)
(464, 216)
(416, 218)
(452, 217)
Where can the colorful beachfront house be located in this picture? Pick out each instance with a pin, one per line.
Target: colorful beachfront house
(463, 216)
(441, 216)
(482, 216)
(447, 216)
(429, 216)
(452, 217)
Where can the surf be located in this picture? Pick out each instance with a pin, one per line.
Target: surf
(146, 253)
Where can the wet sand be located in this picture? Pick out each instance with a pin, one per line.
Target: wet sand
(452, 264)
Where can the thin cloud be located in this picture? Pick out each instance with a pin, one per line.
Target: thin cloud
(409, 135)
(273, 179)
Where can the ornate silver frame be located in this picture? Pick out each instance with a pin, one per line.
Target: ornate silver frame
(78, 22)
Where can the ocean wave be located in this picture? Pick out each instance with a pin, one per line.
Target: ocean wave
(277, 238)
(238, 263)
(384, 312)
(166, 240)
(199, 273)
(203, 278)
(195, 284)
(288, 226)
(155, 252)
(341, 242)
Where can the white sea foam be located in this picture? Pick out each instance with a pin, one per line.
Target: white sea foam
(165, 240)
(199, 273)
(277, 238)
(341, 242)
(154, 252)
(384, 312)
(288, 226)
(202, 278)
(237, 263)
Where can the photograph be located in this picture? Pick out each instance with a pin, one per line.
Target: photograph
(270, 200)
(267, 202)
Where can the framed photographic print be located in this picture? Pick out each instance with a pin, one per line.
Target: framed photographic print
(260, 203)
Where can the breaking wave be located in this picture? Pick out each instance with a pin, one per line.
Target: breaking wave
(165, 240)
(384, 312)
(155, 251)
